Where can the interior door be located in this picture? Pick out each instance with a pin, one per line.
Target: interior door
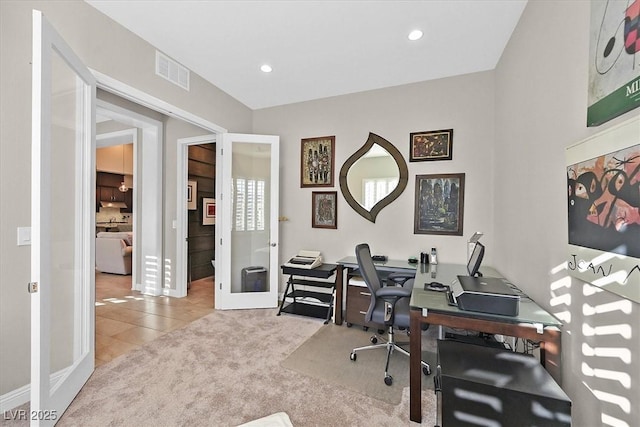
(247, 224)
(62, 225)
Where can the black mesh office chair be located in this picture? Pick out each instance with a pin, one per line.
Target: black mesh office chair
(389, 306)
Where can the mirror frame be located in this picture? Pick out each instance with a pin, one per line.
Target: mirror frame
(402, 181)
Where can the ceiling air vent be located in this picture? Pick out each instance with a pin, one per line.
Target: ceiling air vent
(172, 71)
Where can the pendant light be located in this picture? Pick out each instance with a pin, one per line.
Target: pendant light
(123, 187)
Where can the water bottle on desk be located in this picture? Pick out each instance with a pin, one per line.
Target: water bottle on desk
(433, 257)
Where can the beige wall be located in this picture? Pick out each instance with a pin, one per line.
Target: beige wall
(541, 105)
(103, 46)
(464, 103)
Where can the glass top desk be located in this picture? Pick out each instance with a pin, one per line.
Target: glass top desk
(388, 265)
(532, 322)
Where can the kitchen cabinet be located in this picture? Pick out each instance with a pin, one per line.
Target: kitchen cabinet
(107, 190)
(104, 179)
(117, 159)
(111, 194)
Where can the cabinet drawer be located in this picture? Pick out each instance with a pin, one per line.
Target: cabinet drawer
(358, 294)
(358, 300)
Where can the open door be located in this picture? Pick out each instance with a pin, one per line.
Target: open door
(247, 225)
(62, 225)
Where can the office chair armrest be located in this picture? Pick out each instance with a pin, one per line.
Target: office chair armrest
(400, 278)
(393, 292)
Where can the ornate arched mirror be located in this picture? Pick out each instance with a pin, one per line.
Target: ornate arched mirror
(373, 177)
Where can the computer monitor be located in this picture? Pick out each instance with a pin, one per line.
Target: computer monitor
(473, 266)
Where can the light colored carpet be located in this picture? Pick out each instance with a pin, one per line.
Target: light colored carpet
(326, 356)
(224, 370)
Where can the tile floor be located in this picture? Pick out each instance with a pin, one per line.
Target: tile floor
(126, 319)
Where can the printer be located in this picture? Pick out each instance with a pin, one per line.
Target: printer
(492, 295)
(305, 260)
(475, 292)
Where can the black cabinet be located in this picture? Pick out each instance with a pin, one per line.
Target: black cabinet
(497, 386)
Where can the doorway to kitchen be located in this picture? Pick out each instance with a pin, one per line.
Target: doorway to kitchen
(123, 126)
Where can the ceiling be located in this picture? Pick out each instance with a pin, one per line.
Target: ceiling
(319, 49)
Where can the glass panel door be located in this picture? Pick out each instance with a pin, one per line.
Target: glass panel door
(63, 225)
(247, 272)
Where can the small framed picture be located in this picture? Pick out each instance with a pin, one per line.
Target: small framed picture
(316, 161)
(208, 211)
(431, 145)
(324, 209)
(439, 204)
(192, 195)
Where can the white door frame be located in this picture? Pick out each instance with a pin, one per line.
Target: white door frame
(137, 96)
(182, 226)
(148, 242)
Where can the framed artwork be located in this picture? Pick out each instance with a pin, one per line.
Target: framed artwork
(324, 209)
(603, 184)
(431, 145)
(208, 211)
(439, 204)
(614, 60)
(316, 162)
(192, 195)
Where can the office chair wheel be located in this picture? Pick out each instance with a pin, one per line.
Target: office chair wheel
(373, 339)
(388, 380)
(349, 325)
(426, 370)
(381, 331)
(353, 356)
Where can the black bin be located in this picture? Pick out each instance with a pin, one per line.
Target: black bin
(254, 279)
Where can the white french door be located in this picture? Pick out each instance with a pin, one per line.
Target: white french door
(62, 224)
(247, 221)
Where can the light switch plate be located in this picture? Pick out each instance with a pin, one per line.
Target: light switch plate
(24, 236)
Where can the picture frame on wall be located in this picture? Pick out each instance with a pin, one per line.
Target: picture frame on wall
(431, 145)
(439, 204)
(208, 211)
(317, 161)
(603, 242)
(192, 195)
(614, 60)
(324, 209)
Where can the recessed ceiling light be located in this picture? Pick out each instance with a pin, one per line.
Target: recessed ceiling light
(266, 68)
(415, 35)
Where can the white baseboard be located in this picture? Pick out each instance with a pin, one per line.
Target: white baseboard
(22, 395)
(15, 398)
